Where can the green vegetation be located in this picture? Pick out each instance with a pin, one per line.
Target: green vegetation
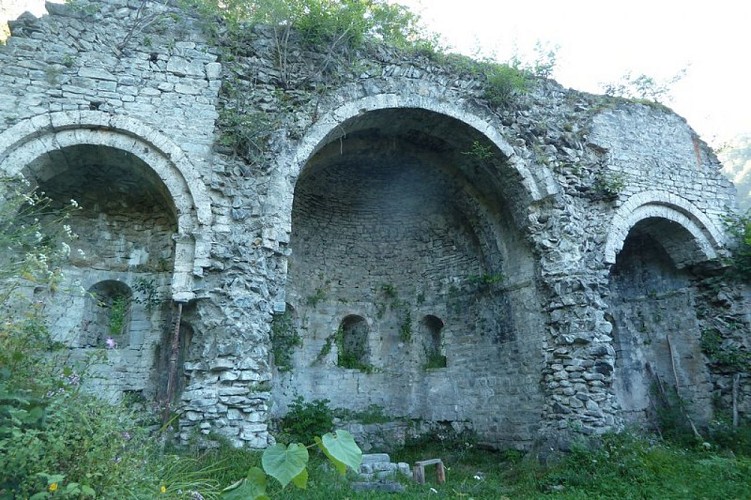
(725, 355)
(740, 228)
(317, 297)
(400, 307)
(487, 279)
(643, 88)
(405, 327)
(305, 419)
(434, 360)
(351, 358)
(55, 440)
(480, 151)
(118, 314)
(373, 414)
(622, 466)
(504, 82)
(146, 293)
(284, 339)
(608, 185)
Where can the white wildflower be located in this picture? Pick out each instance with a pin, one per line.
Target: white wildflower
(66, 248)
(68, 230)
(73, 203)
(81, 253)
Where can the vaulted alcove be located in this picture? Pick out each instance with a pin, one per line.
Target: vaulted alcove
(117, 277)
(657, 336)
(403, 215)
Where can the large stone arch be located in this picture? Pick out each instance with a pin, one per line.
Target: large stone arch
(707, 242)
(395, 217)
(537, 184)
(35, 137)
(655, 240)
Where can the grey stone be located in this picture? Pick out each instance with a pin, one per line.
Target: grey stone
(506, 270)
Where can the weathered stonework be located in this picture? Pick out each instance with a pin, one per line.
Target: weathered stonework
(516, 271)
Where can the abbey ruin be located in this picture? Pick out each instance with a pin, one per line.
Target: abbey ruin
(376, 234)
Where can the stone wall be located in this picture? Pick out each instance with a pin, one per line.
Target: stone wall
(514, 270)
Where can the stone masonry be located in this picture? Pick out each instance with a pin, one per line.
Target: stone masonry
(377, 235)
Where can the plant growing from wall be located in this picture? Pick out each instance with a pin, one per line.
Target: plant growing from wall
(608, 185)
(400, 307)
(350, 355)
(405, 328)
(146, 293)
(284, 339)
(314, 299)
(118, 314)
(373, 414)
(434, 360)
(643, 88)
(485, 281)
(244, 131)
(725, 355)
(503, 82)
(480, 151)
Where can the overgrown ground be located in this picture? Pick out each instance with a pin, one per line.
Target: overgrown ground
(624, 466)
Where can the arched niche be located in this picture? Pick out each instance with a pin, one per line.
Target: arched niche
(353, 350)
(656, 333)
(107, 318)
(432, 339)
(35, 146)
(399, 213)
(142, 210)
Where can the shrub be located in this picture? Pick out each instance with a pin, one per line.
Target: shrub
(503, 81)
(306, 419)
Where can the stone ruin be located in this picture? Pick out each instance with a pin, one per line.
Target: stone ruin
(377, 234)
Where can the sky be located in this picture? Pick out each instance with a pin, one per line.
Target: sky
(598, 41)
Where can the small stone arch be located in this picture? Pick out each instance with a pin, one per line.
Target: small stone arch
(107, 316)
(354, 351)
(431, 333)
(666, 210)
(36, 137)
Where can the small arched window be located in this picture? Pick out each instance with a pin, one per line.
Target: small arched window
(107, 318)
(352, 343)
(432, 341)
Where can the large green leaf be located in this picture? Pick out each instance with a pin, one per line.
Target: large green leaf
(251, 488)
(301, 480)
(285, 463)
(341, 449)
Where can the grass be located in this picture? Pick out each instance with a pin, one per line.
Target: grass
(624, 466)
